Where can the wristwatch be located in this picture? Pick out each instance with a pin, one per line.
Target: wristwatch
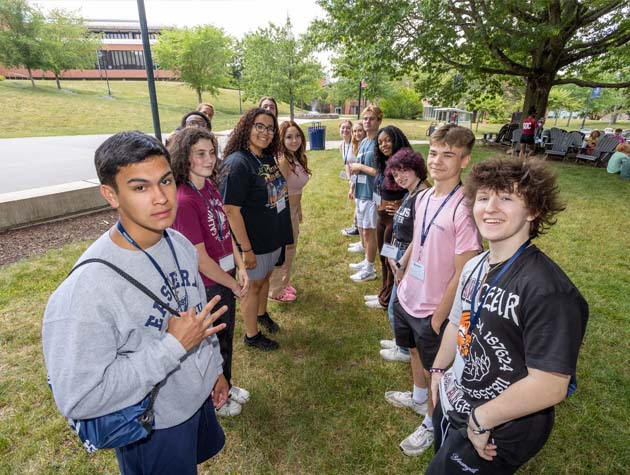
(398, 266)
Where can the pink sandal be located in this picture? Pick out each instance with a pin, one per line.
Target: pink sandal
(289, 288)
(284, 297)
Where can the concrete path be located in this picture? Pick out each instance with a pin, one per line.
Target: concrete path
(36, 162)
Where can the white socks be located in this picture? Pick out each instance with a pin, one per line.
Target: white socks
(420, 395)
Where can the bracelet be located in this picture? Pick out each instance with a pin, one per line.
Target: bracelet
(479, 430)
(398, 266)
(437, 370)
(246, 250)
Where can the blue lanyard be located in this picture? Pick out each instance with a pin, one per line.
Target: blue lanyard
(476, 312)
(426, 229)
(408, 196)
(260, 164)
(181, 304)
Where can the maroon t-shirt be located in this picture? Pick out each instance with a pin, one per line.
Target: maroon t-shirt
(529, 126)
(201, 218)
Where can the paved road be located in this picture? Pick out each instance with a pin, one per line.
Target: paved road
(37, 162)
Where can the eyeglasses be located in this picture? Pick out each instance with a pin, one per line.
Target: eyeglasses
(263, 128)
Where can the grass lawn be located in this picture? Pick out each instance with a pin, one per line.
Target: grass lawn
(82, 107)
(317, 404)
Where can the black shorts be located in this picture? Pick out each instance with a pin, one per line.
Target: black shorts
(528, 139)
(412, 332)
(517, 441)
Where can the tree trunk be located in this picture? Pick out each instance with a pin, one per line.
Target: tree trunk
(58, 82)
(537, 94)
(30, 76)
(569, 119)
(555, 122)
(291, 107)
(199, 98)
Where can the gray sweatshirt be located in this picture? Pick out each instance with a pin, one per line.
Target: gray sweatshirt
(105, 342)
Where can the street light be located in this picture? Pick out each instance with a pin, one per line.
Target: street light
(101, 55)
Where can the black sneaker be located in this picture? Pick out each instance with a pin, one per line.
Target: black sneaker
(261, 342)
(266, 321)
(351, 231)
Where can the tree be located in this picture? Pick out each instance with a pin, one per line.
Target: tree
(402, 103)
(21, 41)
(277, 64)
(564, 98)
(542, 43)
(68, 43)
(200, 57)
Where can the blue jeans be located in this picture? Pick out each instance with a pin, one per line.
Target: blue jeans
(390, 314)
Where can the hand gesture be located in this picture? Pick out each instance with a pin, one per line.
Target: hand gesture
(190, 329)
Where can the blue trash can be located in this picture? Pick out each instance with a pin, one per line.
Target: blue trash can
(317, 136)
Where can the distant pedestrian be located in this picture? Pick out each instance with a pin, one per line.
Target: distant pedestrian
(269, 104)
(528, 137)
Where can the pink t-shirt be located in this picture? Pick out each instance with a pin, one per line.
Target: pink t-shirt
(453, 232)
(201, 218)
(297, 180)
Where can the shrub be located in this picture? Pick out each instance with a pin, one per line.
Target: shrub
(404, 103)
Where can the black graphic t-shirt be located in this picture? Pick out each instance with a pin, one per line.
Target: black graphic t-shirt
(259, 189)
(403, 219)
(534, 317)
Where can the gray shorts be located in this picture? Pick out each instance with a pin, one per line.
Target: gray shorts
(366, 214)
(264, 265)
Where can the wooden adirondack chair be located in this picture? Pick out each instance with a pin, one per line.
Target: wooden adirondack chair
(603, 149)
(566, 143)
(559, 145)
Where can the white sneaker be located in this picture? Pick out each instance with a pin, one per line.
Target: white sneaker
(394, 354)
(356, 248)
(230, 409)
(374, 304)
(388, 344)
(358, 265)
(363, 276)
(418, 442)
(370, 297)
(404, 399)
(239, 395)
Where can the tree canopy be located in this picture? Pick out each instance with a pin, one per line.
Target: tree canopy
(539, 44)
(200, 56)
(68, 43)
(277, 64)
(21, 39)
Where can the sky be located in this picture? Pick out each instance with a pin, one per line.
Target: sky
(236, 17)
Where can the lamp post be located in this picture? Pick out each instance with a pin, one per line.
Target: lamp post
(101, 56)
(148, 63)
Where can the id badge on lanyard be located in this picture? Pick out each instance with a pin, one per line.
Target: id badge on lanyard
(376, 198)
(362, 179)
(281, 204)
(389, 251)
(227, 262)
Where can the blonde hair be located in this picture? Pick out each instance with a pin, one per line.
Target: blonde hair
(376, 110)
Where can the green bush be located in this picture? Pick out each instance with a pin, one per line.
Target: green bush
(402, 104)
(2, 78)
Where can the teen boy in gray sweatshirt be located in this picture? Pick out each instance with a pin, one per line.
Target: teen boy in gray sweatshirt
(106, 344)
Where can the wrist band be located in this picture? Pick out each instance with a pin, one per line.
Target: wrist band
(246, 250)
(479, 430)
(437, 370)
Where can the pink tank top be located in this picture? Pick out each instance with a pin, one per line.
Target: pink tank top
(297, 180)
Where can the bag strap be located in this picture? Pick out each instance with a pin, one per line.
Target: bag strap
(130, 279)
(147, 417)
